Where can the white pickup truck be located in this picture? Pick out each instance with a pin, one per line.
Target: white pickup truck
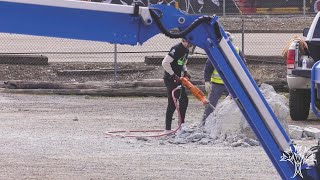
(299, 64)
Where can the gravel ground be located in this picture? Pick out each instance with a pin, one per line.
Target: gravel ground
(262, 72)
(63, 137)
(268, 22)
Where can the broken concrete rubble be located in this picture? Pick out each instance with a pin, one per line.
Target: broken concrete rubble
(227, 125)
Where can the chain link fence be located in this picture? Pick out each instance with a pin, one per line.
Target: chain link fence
(54, 59)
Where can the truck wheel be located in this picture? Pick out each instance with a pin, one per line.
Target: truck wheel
(299, 104)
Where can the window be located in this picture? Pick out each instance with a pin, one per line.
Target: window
(316, 33)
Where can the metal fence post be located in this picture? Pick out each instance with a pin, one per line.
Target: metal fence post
(115, 62)
(242, 35)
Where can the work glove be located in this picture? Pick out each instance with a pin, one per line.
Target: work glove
(175, 78)
(187, 75)
(207, 86)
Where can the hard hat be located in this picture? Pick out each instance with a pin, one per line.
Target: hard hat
(229, 36)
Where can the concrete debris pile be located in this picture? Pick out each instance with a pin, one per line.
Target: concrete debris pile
(228, 126)
(297, 132)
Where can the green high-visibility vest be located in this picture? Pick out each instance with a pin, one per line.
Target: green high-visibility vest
(215, 78)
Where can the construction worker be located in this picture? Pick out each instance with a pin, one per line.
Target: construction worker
(214, 85)
(174, 65)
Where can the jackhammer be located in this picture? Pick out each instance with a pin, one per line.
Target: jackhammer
(196, 92)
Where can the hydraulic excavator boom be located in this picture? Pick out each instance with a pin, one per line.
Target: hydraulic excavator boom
(134, 25)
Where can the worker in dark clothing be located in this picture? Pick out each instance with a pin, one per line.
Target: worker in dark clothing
(174, 65)
(214, 85)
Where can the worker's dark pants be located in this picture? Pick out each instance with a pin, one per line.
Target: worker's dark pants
(183, 103)
(216, 92)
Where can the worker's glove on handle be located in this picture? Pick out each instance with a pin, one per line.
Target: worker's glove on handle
(187, 75)
(207, 86)
(175, 78)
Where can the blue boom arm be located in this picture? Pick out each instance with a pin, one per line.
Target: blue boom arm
(134, 25)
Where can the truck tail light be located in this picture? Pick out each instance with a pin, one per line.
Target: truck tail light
(290, 59)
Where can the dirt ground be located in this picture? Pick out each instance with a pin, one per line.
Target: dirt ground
(63, 137)
(261, 71)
